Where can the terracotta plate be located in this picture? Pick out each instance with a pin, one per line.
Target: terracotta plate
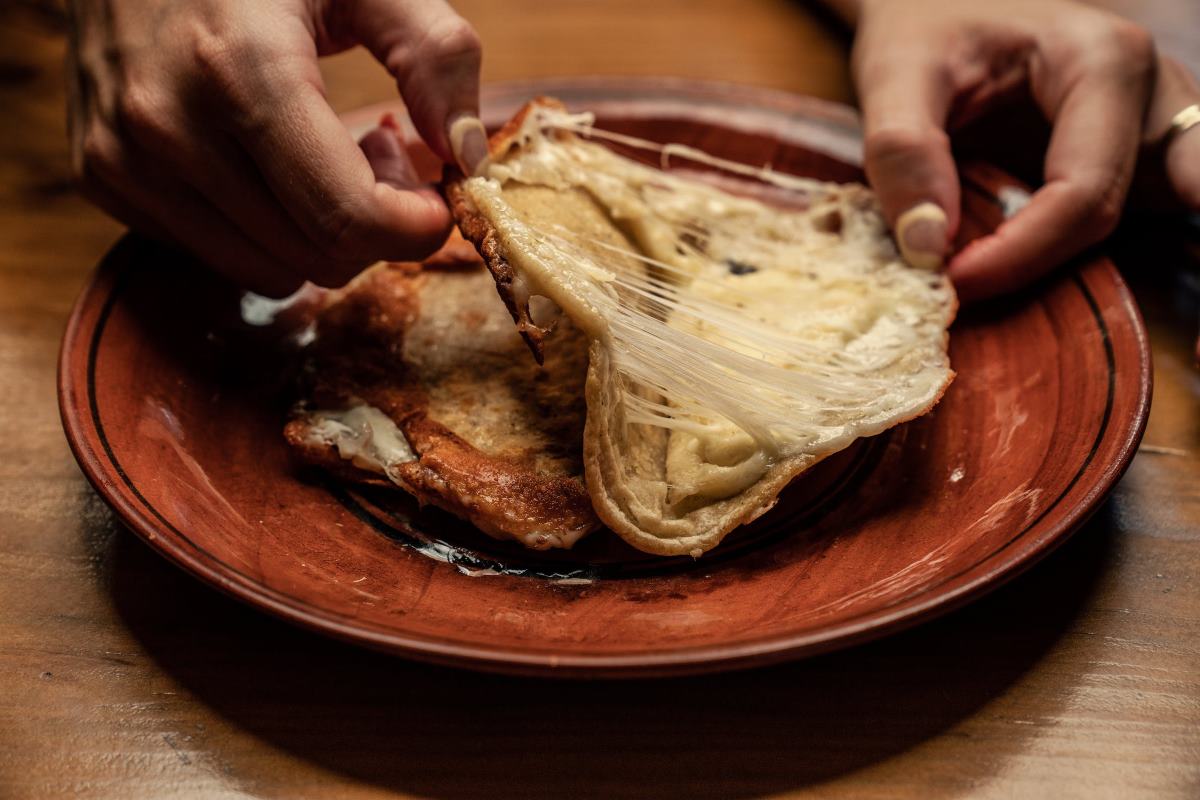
(173, 403)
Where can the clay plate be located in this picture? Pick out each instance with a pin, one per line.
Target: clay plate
(173, 406)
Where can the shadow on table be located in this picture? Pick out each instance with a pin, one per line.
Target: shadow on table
(445, 733)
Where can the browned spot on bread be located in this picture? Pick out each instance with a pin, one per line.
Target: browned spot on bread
(481, 232)
(498, 495)
(497, 437)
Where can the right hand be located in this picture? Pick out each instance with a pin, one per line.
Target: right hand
(924, 67)
(206, 123)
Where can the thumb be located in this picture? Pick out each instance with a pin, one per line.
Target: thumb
(434, 55)
(907, 153)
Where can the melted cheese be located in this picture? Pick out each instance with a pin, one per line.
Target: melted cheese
(364, 436)
(764, 332)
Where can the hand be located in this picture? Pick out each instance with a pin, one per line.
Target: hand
(925, 66)
(206, 123)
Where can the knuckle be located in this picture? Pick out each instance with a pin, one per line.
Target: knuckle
(1132, 43)
(222, 64)
(144, 117)
(894, 143)
(1100, 203)
(1114, 45)
(99, 155)
(214, 59)
(1105, 214)
(450, 42)
(338, 234)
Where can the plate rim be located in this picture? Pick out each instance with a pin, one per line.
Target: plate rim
(104, 473)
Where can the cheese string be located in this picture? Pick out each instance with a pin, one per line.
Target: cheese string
(732, 321)
(583, 125)
(695, 345)
(777, 392)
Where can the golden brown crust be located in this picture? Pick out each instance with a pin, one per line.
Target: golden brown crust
(500, 141)
(518, 478)
(325, 456)
(480, 232)
(501, 497)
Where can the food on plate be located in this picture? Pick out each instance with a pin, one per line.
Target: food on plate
(416, 378)
(732, 343)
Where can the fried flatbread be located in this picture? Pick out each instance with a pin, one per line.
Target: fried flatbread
(417, 379)
(733, 344)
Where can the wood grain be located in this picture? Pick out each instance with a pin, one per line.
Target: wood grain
(122, 677)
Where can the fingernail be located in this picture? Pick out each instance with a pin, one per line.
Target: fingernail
(468, 141)
(921, 234)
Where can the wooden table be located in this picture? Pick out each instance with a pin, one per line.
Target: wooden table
(122, 677)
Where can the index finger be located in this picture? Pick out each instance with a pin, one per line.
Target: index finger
(905, 96)
(324, 180)
(1089, 166)
(434, 55)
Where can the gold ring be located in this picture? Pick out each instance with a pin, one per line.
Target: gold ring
(1185, 120)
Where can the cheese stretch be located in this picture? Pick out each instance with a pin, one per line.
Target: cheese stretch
(749, 331)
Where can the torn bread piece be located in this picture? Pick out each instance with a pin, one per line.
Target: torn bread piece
(734, 343)
(416, 378)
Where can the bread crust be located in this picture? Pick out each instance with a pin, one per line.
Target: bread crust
(484, 451)
(479, 231)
